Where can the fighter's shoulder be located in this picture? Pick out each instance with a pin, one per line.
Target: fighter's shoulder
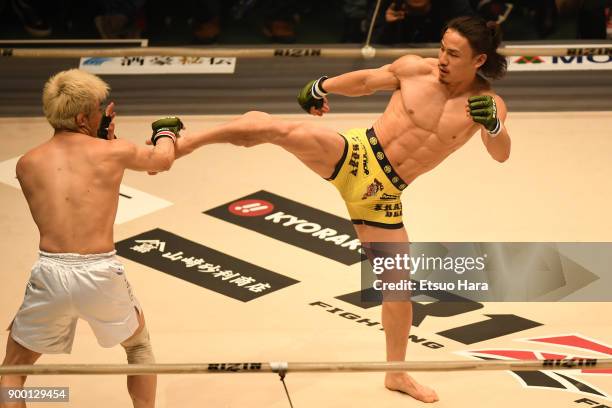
(412, 65)
(34, 159)
(485, 88)
(482, 86)
(31, 157)
(119, 148)
(23, 164)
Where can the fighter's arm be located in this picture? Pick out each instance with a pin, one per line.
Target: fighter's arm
(312, 97)
(153, 159)
(362, 82)
(490, 112)
(368, 81)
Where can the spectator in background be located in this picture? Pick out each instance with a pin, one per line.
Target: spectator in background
(280, 18)
(410, 21)
(207, 20)
(546, 17)
(356, 19)
(120, 19)
(497, 11)
(590, 18)
(34, 16)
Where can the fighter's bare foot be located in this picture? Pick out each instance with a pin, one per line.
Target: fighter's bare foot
(404, 383)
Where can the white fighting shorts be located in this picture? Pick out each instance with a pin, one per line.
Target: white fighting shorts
(65, 287)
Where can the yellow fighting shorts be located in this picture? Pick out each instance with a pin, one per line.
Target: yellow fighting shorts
(367, 182)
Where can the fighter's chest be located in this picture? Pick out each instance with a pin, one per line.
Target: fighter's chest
(428, 107)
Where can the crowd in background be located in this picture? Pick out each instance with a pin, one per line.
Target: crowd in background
(206, 21)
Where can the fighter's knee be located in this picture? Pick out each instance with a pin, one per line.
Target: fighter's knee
(252, 128)
(257, 116)
(138, 348)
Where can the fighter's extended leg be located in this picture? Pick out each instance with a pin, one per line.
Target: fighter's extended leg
(317, 147)
(397, 320)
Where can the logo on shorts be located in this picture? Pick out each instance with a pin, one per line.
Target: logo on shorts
(354, 161)
(391, 210)
(386, 196)
(251, 208)
(373, 189)
(366, 169)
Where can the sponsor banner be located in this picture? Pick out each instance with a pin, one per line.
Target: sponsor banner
(133, 203)
(589, 57)
(201, 265)
(158, 65)
(294, 223)
(488, 271)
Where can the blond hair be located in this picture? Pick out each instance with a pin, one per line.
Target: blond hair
(70, 92)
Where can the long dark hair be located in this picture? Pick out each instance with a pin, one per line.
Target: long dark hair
(484, 38)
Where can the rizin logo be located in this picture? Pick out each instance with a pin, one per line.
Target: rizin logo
(529, 60)
(251, 208)
(552, 379)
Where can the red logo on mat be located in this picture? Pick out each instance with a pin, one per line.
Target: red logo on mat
(552, 379)
(251, 208)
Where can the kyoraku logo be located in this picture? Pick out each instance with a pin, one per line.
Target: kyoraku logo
(294, 223)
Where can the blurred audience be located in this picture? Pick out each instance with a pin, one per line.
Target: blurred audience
(357, 15)
(120, 19)
(410, 21)
(591, 19)
(397, 21)
(33, 14)
(280, 19)
(493, 10)
(206, 20)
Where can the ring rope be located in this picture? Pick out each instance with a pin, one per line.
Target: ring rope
(306, 367)
(286, 52)
(372, 22)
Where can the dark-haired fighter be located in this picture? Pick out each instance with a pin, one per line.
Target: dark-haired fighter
(436, 106)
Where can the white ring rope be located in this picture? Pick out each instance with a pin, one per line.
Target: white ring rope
(328, 367)
(354, 53)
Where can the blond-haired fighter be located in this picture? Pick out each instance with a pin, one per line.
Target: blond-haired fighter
(71, 183)
(436, 106)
